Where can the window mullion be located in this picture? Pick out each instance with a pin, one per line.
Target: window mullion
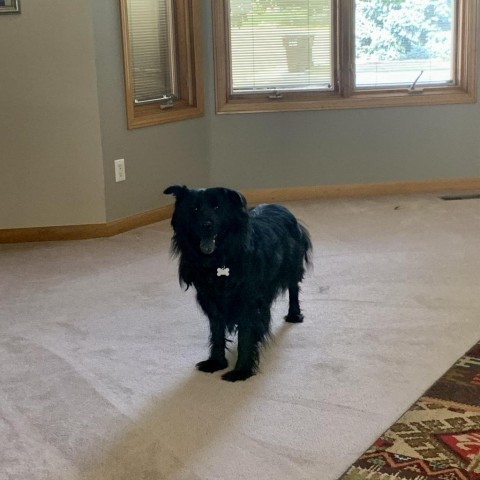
(345, 50)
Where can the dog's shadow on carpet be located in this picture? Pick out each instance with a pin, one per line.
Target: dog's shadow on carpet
(169, 440)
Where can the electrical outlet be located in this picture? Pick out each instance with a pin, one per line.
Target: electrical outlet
(120, 170)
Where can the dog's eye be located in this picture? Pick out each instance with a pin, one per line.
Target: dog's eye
(195, 209)
(215, 207)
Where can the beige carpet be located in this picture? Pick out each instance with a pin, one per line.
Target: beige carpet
(438, 438)
(98, 344)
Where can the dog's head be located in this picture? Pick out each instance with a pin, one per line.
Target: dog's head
(204, 218)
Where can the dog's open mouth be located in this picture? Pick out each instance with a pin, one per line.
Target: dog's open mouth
(208, 244)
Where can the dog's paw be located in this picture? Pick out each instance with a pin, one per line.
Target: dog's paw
(294, 318)
(212, 365)
(237, 375)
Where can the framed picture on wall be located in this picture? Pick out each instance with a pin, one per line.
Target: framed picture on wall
(9, 6)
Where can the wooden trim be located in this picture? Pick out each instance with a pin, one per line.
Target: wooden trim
(263, 195)
(82, 232)
(140, 220)
(345, 18)
(129, 100)
(361, 190)
(221, 54)
(467, 48)
(327, 101)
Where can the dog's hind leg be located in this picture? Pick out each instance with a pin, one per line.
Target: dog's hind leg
(217, 360)
(294, 313)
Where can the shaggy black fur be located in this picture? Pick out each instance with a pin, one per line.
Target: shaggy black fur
(265, 251)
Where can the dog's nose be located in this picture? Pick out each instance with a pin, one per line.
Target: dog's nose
(207, 225)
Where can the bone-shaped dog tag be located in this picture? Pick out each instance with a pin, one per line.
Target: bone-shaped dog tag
(223, 272)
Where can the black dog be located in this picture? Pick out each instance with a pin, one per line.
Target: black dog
(238, 261)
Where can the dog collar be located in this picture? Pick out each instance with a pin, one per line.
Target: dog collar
(223, 272)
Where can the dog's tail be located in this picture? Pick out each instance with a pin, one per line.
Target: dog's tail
(307, 244)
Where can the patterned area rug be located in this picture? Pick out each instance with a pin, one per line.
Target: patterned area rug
(438, 438)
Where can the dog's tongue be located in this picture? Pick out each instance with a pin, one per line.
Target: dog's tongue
(207, 245)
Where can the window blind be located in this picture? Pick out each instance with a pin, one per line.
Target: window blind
(397, 40)
(151, 48)
(280, 45)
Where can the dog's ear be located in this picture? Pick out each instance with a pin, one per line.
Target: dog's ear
(179, 191)
(236, 198)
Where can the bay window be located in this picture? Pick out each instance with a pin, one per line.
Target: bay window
(276, 55)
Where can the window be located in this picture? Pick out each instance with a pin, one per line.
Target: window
(280, 48)
(161, 50)
(277, 55)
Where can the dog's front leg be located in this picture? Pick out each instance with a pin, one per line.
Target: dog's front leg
(248, 354)
(217, 360)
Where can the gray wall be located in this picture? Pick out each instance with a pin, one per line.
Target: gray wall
(62, 124)
(343, 146)
(156, 156)
(50, 149)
